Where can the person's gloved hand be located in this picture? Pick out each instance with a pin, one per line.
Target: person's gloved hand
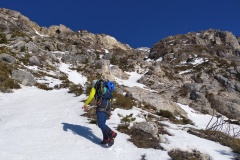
(84, 107)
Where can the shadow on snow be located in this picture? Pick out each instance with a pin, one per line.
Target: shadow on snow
(82, 131)
(229, 154)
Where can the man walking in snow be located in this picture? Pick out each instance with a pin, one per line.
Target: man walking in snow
(102, 92)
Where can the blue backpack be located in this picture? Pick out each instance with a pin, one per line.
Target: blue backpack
(104, 89)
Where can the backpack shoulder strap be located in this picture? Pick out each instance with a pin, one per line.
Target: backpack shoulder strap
(100, 88)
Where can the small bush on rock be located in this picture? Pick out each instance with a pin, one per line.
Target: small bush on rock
(125, 122)
(3, 38)
(172, 118)
(122, 101)
(6, 83)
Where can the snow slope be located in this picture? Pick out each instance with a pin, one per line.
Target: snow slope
(47, 125)
(44, 125)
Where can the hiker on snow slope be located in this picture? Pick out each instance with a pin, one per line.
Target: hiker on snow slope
(102, 92)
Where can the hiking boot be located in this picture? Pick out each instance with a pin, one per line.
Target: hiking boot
(105, 141)
(112, 135)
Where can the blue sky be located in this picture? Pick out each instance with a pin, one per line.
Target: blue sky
(139, 23)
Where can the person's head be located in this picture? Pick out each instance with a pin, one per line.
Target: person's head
(94, 82)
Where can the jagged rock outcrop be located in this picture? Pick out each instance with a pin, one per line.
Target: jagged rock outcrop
(181, 46)
(204, 63)
(103, 40)
(14, 21)
(55, 30)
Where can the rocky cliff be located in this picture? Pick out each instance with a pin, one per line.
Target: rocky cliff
(199, 69)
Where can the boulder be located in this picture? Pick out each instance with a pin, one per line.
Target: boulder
(34, 61)
(23, 77)
(148, 127)
(155, 100)
(31, 46)
(7, 58)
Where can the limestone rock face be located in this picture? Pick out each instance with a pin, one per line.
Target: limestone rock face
(101, 41)
(55, 30)
(110, 42)
(156, 100)
(13, 21)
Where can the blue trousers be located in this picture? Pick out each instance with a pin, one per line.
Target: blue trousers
(101, 119)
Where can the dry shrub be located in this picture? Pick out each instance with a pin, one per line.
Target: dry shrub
(184, 155)
(6, 83)
(166, 114)
(162, 130)
(220, 137)
(125, 122)
(76, 89)
(25, 59)
(122, 101)
(145, 105)
(64, 77)
(3, 38)
(43, 86)
(172, 118)
(141, 139)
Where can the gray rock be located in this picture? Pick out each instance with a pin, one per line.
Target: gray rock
(237, 86)
(23, 77)
(221, 53)
(222, 79)
(233, 108)
(154, 99)
(117, 72)
(7, 58)
(128, 94)
(34, 61)
(72, 59)
(104, 65)
(232, 40)
(49, 47)
(107, 56)
(238, 69)
(31, 46)
(199, 41)
(232, 70)
(226, 106)
(148, 127)
(192, 86)
(193, 95)
(201, 156)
